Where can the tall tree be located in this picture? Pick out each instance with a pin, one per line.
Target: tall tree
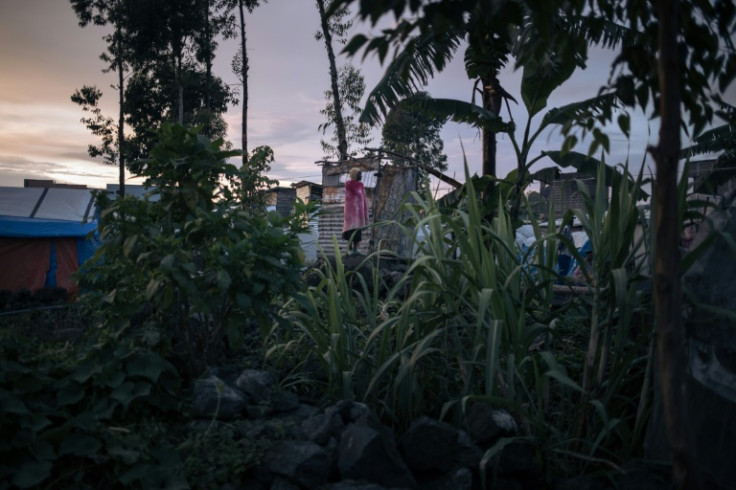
(334, 24)
(163, 33)
(152, 102)
(547, 42)
(163, 51)
(217, 19)
(351, 86)
(240, 64)
(101, 13)
(689, 44)
(411, 132)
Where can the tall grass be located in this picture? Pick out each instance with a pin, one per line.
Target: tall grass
(615, 391)
(474, 320)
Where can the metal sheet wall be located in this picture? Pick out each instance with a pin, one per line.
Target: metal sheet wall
(393, 184)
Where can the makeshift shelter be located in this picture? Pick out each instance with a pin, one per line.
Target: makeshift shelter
(45, 235)
(386, 187)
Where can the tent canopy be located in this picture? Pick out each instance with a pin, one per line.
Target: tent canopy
(45, 235)
(47, 203)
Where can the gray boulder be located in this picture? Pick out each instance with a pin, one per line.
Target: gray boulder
(366, 453)
(303, 463)
(429, 445)
(213, 398)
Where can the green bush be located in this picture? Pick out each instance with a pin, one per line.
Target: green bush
(78, 413)
(181, 277)
(192, 261)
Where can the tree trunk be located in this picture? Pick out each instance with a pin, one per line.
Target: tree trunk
(244, 77)
(121, 118)
(180, 86)
(342, 145)
(492, 101)
(208, 57)
(667, 289)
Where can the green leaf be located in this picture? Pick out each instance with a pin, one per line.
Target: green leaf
(539, 81)
(112, 377)
(136, 473)
(129, 391)
(110, 297)
(36, 422)
(223, 280)
(564, 379)
(624, 123)
(412, 67)
(168, 261)
(12, 404)
(32, 473)
(463, 112)
(147, 365)
(129, 244)
(79, 445)
(43, 450)
(69, 393)
(580, 112)
(153, 287)
(128, 456)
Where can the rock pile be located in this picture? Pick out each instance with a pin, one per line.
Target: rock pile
(345, 447)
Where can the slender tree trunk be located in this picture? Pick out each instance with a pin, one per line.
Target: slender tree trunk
(667, 290)
(492, 101)
(342, 142)
(180, 86)
(244, 78)
(208, 57)
(121, 121)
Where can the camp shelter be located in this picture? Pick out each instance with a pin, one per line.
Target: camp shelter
(45, 235)
(387, 187)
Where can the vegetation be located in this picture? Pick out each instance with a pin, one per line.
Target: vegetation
(191, 276)
(240, 62)
(413, 136)
(336, 25)
(350, 86)
(188, 276)
(162, 53)
(470, 320)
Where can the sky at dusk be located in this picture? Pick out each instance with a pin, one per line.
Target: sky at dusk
(45, 56)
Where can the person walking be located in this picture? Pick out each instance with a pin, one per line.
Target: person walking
(355, 216)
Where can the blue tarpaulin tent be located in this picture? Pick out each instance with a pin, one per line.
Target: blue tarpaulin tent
(45, 235)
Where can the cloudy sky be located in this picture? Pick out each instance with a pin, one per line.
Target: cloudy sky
(45, 56)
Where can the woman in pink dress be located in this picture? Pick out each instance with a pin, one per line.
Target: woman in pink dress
(355, 211)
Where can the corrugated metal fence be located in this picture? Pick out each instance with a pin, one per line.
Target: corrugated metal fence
(386, 191)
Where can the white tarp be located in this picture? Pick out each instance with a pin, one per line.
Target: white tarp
(47, 203)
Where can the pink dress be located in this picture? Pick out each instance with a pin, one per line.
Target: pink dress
(356, 206)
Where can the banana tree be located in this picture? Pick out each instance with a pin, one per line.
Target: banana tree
(546, 42)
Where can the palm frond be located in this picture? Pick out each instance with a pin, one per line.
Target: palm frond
(414, 65)
(600, 31)
(579, 112)
(722, 138)
(462, 112)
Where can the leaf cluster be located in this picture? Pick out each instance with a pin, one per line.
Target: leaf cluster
(79, 419)
(193, 259)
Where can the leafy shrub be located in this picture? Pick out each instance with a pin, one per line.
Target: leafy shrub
(76, 414)
(192, 260)
(181, 276)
